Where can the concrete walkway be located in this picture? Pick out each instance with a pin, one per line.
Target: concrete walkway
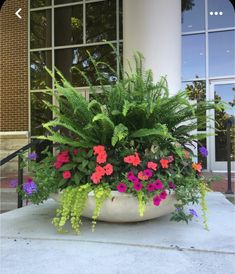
(30, 244)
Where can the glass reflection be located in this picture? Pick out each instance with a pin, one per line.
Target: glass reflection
(39, 3)
(224, 16)
(69, 31)
(58, 2)
(40, 79)
(39, 112)
(221, 53)
(224, 93)
(101, 21)
(40, 29)
(193, 56)
(193, 15)
(197, 92)
(67, 60)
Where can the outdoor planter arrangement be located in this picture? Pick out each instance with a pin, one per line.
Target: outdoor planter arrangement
(124, 156)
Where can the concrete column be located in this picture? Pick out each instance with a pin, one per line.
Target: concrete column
(153, 27)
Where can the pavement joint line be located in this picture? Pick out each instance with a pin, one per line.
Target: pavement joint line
(175, 247)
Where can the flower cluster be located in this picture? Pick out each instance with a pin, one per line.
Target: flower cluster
(29, 187)
(146, 180)
(101, 158)
(62, 158)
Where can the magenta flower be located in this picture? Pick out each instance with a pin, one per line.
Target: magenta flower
(150, 187)
(135, 180)
(121, 187)
(130, 174)
(148, 172)
(172, 185)
(138, 186)
(156, 200)
(29, 187)
(163, 195)
(158, 184)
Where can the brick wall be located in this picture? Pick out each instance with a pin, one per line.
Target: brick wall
(14, 66)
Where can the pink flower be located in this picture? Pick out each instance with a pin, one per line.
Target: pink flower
(130, 175)
(163, 195)
(148, 173)
(138, 186)
(135, 180)
(101, 157)
(156, 200)
(98, 149)
(108, 169)
(150, 187)
(152, 165)
(121, 187)
(170, 158)
(66, 174)
(96, 177)
(100, 170)
(132, 159)
(141, 176)
(158, 184)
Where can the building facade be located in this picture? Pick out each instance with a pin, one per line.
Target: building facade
(190, 41)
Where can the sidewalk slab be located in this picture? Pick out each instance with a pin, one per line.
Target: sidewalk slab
(28, 238)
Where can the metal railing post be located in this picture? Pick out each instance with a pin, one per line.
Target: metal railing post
(228, 137)
(20, 180)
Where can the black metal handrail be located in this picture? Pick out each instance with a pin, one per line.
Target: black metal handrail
(35, 143)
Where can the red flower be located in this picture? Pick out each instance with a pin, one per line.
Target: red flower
(136, 160)
(101, 158)
(164, 163)
(152, 165)
(108, 169)
(197, 167)
(100, 170)
(95, 177)
(62, 158)
(66, 174)
(98, 149)
(75, 151)
(142, 177)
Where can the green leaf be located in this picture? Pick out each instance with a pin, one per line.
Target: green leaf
(120, 133)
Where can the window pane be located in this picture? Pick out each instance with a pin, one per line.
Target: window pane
(39, 112)
(120, 19)
(221, 53)
(68, 25)
(220, 14)
(58, 2)
(193, 15)
(40, 29)
(40, 79)
(39, 3)
(78, 58)
(193, 56)
(224, 93)
(101, 21)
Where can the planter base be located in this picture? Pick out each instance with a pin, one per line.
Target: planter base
(125, 208)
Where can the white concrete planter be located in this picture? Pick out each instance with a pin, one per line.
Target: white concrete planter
(124, 207)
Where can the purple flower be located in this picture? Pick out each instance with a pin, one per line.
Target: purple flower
(33, 156)
(148, 172)
(193, 212)
(121, 187)
(172, 185)
(178, 209)
(203, 151)
(14, 183)
(29, 187)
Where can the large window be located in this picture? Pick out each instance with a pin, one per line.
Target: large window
(208, 46)
(62, 32)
